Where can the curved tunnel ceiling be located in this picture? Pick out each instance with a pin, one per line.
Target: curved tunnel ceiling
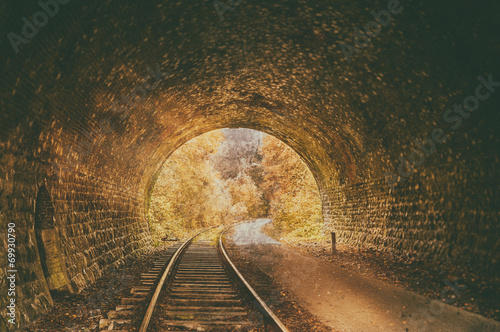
(271, 66)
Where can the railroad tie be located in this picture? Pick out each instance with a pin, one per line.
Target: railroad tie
(120, 319)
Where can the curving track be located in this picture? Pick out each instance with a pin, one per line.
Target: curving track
(202, 295)
(200, 289)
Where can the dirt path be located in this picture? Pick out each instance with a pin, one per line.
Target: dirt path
(347, 301)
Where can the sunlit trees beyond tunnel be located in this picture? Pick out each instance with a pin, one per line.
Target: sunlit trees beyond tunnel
(189, 193)
(289, 186)
(231, 175)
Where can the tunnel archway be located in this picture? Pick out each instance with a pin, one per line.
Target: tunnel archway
(309, 146)
(301, 148)
(246, 174)
(48, 243)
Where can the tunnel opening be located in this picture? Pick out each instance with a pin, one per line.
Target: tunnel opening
(230, 175)
(47, 239)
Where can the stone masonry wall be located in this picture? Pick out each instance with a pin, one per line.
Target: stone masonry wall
(418, 219)
(99, 224)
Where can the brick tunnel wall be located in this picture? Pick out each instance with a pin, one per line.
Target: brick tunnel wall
(99, 223)
(270, 66)
(455, 228)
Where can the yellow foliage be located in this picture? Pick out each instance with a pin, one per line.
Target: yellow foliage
(295, 203)
(188, 193)
(245, 193)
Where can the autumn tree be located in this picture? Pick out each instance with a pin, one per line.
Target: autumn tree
(239, 162)
(189, 193)
(230, 175)
(290, 188)
(239, 151)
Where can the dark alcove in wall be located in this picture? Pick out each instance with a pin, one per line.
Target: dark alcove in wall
(48, 242)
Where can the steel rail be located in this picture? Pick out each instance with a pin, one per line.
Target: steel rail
(269, 317)
(156, 294)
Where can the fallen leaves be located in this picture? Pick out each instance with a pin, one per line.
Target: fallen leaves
(424, 277)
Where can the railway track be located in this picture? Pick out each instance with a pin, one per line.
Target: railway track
(201, 290)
